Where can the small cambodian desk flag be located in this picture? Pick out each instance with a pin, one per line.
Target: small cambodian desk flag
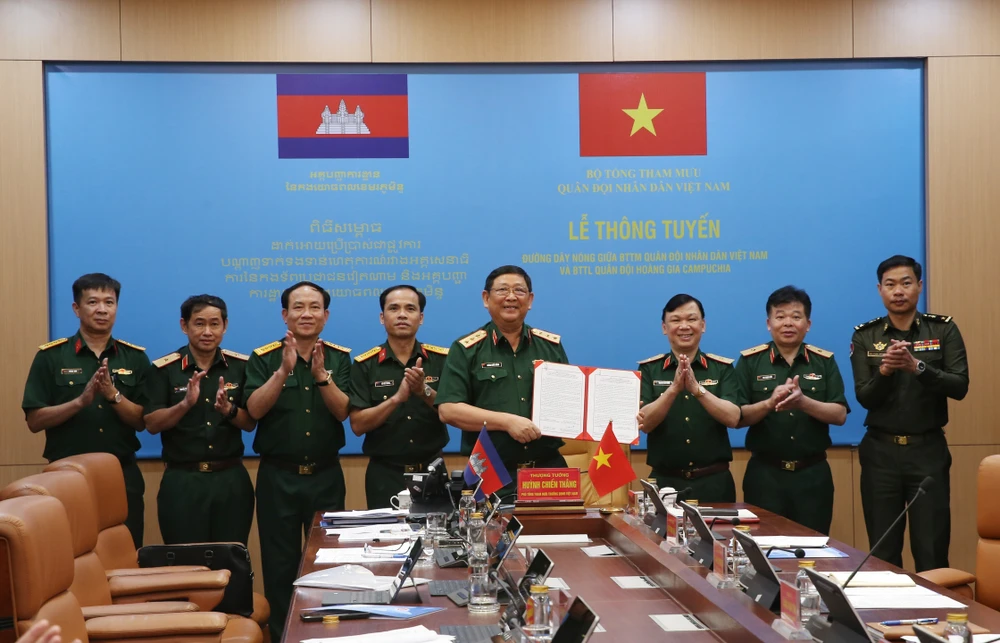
(609, 468)
(484, 464)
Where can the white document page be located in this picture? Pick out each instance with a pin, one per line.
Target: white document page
(557, 401)
(417, 634)
(791, 542)
(613, 395)
(872, 579)
(877, 598)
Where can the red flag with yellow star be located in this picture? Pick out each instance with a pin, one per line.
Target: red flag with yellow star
(609, 468)
(660, 114)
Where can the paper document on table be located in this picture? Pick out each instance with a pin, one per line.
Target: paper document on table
(335, 555)
(352, 577)
(791, 542)
(576, 402)
(366, 513)
(558, 399)
(553, 539)
(613, 395)
(976, 638)
(878, 598)
(417, 634)
(872, 579)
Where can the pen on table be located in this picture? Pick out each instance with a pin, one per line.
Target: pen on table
(910, 621)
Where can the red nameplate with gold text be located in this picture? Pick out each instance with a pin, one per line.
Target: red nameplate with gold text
(790, 607)
(549, 485)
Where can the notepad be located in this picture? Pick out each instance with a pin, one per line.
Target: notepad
(872, 579)
(598, 551)
(633, 582)
(554, 582)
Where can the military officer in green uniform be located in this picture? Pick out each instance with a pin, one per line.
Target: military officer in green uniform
(489, 375)
(393, 388)
(295, 390)
(906, 366)
(84, 391)
(689, 401)
(790, 393)
(193, 399)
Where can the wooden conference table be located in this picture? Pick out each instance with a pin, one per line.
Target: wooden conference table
(684, 586)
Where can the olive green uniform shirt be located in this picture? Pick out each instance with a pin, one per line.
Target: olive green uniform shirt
(60, 372)
(792, 434)
(910, 403)
(202, 434)
(688, 437)
(484, 371)
(299, 428)
(412, 433)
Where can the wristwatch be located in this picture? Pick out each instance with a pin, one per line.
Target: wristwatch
(428, 391)
(116, 399)
(326, 382)
(701, 391)
(921, 367)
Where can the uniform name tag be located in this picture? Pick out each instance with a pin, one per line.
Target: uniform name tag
(72, 371)
(927, 345)
(492, 365)
(384, 383)
(180, 389)
(812, 376)
(875, 354)
(709, 382)
(121, 371)
(766, 378)
(662, 382)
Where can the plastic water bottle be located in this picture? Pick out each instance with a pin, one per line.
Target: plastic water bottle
(689, 530)
(466, 507)
(738, 560)
(957, 629)
(538, 626)
(808, 596)
(482, 588)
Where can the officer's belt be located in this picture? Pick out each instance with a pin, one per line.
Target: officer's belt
(412, 467)
(210, 466)
(791, 465)
(904, 440)
(693, 473)
(304, 469)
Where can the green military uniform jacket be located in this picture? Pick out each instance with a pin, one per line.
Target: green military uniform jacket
(413, 433)
(794, 434)
(482, 370)
(60, 372)
(299, 428)
(910, 403)
(202, 434)
(688, 437)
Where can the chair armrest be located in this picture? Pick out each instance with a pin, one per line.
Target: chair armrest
(137, 609)
(155, 583)
(156, 625)
(145, 571)
(948, 577)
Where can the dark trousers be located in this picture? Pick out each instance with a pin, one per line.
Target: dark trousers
(715, 487)
(509, 492)
(804, 496)
(890, 476)
(286, 503)
(135, 489)
(382, 481)
(196, 507)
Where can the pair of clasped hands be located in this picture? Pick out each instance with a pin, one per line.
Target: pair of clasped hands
(100, 383)
(898, 358)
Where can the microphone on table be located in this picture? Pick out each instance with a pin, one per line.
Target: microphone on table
(733, 520)
(921, 490)
(680, 494)
(798, 551)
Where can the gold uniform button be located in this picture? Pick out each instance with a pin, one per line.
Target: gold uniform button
(765, 388)
(814, 388)
(685, 397)
(791, 414)
(208, 400)
(688, 440)
(101, 430)
(522, 399)
(385, 397)
(308, 434)
(210, 446)
(518, 377)
(308, 410)
(307, 388)
(411, 441)
(690, 464)
(99, 406)
(305, 457)
(493, 377)
(408, 417)
(687, 419)
(208, 423)
(793, 437)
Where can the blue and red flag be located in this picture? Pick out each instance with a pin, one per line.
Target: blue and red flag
(334, 116)
(484, 464)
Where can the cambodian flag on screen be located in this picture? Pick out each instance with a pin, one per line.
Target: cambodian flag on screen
(485, 463)
(336, 116)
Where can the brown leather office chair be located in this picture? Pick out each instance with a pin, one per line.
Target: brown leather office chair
(578, 454)
(115, 547)
(36, 572)
(987, 589)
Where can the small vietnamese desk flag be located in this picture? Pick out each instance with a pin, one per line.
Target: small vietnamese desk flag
(659, 114)
(485, 464)
(609, 468)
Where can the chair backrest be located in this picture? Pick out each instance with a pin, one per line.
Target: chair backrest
(35, 540)
(104, 476)
(90, 583)
(988, 526)
(578, 454)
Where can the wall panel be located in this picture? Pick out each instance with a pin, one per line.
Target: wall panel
(59, 30)
(732, 29)
(920, 28)
(488, 31)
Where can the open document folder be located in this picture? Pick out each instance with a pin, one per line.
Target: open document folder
(577, 402)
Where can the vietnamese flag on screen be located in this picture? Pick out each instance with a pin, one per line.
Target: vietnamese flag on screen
(659, 114)
(333, 116)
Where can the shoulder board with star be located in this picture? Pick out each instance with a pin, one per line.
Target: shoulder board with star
(819, 351)
(266, 348)
(753, 351)
(166, 359)
(718, 358)
(870, 322)
(53, 343)
(440, 350)
(654, 358)
(546, 335)
(240, 356)
(944, 319)
(337, 347)
(473, 339)
(135, 346)
(368, 354)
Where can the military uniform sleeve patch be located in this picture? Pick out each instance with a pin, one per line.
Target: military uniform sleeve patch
(473, 339)
(753, 351)
(53, 343)
(337, 347)
(266, 348)
(819, 351)
(546, 335)
(436, 349)
(870, 322)
(166, 359)
(654, 358)
(136, 347)
(235, 355)
(944, 319)
(719, 358)
(368, 354)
